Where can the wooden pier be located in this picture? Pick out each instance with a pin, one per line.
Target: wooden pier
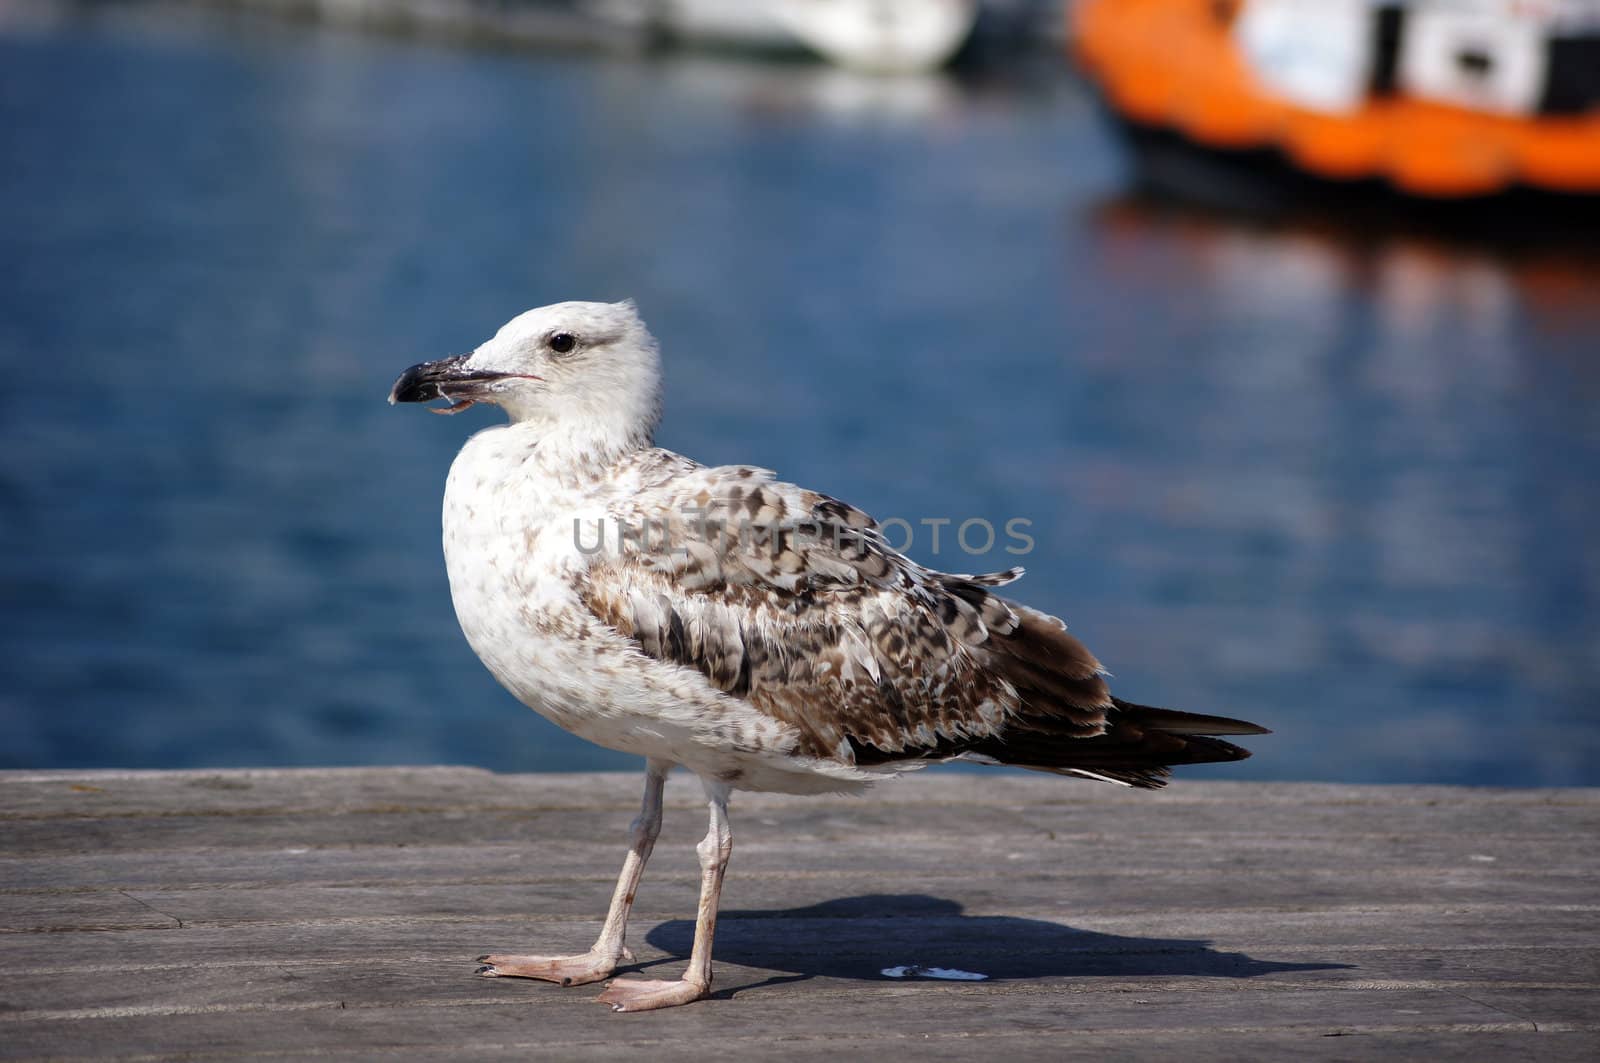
(336, 913)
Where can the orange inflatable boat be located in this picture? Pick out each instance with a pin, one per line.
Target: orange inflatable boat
(1440, 98)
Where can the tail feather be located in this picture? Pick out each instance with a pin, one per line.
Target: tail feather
(1066, 720)
(1070, 723)
(1140, 746)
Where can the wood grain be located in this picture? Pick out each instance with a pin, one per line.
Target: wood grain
(271, 914)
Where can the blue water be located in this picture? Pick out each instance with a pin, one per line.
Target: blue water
(1343, 484)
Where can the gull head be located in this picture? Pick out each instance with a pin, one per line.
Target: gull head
(567, 364)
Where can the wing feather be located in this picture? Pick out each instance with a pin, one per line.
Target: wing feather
(795, 603)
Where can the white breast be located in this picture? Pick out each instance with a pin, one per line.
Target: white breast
(512, 568)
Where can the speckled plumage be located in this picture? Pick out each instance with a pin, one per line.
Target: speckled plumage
(762, 635)
(793, 603)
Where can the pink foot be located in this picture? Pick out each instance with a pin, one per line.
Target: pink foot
(638, 994)
(563, 970)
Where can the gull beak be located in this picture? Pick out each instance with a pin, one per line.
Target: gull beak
(448, 378)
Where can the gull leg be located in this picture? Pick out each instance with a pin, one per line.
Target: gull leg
(638, 994)
(608, 950)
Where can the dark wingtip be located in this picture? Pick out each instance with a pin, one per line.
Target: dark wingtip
(1186, 723)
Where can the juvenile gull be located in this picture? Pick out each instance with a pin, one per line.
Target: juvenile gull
(761, 635)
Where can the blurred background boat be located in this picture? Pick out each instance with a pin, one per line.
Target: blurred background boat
(880, 36)
(1443, 100)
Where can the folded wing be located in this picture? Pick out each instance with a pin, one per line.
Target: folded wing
(794, 602)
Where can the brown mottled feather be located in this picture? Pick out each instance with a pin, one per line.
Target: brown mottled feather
(794, 602)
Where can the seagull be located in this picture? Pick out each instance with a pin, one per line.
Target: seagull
(764, 636)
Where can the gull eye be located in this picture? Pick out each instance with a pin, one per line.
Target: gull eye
(563, 342)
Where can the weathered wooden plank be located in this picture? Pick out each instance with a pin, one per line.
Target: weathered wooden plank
(318, 793)
(556, 1018)
(548, 894)
(860, 951)
(314, 791)
(1198, 828)
(336, 913)
(1460, 945)
(1471, 1044)
(801, 934)
(392, 976)
(760, 848)
(1438, 1045)
(151, 793)
(450, 826)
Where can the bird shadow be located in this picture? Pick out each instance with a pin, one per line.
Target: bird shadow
(868, 936)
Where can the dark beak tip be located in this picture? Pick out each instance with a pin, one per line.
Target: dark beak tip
(420, 383)
(404, 390)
